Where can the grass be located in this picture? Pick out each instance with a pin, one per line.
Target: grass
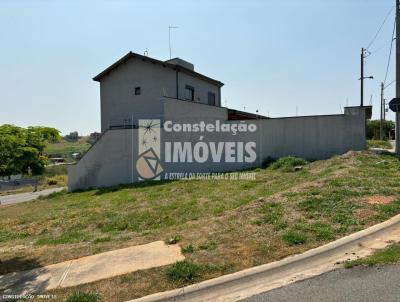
(83, 297)
(293, 237)
(385, 256)
(66, 149)
(184, 271)
(288, 163)
(223, 226)
(379, 144)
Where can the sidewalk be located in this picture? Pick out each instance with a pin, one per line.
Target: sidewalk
(91, 268)
(22, 197)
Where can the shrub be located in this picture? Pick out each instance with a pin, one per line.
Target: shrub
(267, 162)
(184, 271)
(288, 163)
(52, 182)
(83, 297)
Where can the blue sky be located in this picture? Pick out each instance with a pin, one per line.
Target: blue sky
(273, 56)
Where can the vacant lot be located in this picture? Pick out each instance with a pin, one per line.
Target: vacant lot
(222, 226)
(65, 148)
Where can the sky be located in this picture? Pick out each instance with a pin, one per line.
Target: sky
(280, 57)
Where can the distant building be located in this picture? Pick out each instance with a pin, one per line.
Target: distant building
(93, 137)
(72, 136)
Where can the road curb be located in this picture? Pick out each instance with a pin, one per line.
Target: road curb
(227, 285)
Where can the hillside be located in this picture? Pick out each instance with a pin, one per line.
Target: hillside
(222, 225)
(65, 148)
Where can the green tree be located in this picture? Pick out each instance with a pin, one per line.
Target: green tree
(21, 149)
(373, 128)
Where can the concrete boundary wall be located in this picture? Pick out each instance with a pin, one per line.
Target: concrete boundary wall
(112, 160)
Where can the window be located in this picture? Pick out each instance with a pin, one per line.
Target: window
(189, 93)
(211, 98)
(137, 91)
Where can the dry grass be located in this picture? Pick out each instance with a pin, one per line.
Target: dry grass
(230, 225)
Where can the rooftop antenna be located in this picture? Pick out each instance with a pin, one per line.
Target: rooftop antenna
(169, 39)
(146, 53)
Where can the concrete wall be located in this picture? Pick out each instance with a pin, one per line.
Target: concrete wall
(112, 159)
(109, 162)
(117, 91)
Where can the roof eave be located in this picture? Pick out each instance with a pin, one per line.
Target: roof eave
(165, 64)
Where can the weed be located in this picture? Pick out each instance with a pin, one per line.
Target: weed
(185, 271)
(188, 249)
(293, 237)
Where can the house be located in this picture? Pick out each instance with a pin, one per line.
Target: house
(162, 120)
(135, 79)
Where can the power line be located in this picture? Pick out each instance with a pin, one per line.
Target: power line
(392, 82)
(390, 52)
(380, 28)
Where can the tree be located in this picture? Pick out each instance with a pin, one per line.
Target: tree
(373, 129)
(21, 149)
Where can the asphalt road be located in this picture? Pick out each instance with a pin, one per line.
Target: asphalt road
(359, 284)
(22, 197)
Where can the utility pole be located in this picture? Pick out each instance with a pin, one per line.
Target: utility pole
(362, 78)
(382, 112)
(397, 76)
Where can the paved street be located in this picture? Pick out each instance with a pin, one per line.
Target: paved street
(364, 284)
(22, 197)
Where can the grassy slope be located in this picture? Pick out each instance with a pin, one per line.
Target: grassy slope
(225, 225)
(65, 148)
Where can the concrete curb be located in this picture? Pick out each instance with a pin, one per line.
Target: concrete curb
(231, 287)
